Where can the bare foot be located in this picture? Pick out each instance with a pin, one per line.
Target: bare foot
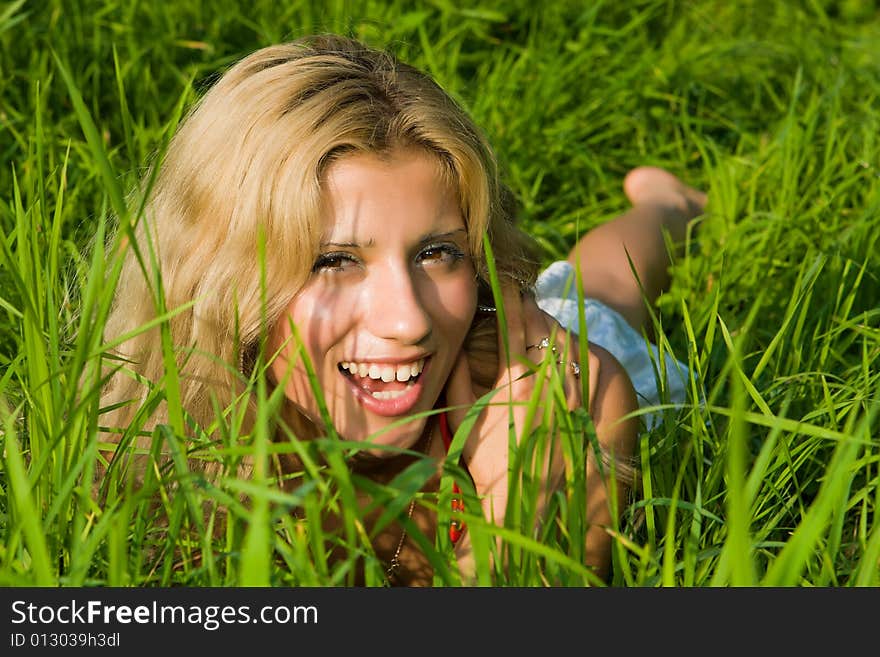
(655, 186)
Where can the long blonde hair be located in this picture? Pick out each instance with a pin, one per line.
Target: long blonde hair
(233, 219)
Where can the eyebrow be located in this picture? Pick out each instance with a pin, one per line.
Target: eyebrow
(371, 242)
(348, 245)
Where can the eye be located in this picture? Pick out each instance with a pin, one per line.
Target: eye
(333, 262)
(446, 253)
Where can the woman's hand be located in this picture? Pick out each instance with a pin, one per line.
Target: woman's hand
(486, 452)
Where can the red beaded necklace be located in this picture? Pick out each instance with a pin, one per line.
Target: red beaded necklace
(456, 525)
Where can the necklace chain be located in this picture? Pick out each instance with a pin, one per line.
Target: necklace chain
(394, 565)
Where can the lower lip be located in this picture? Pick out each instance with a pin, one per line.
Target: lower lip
(390, 407)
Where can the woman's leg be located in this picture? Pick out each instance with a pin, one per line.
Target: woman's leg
(661, 203)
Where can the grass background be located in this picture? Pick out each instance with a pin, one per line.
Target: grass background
(769, 106)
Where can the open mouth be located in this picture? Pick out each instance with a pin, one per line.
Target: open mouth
(383, 381)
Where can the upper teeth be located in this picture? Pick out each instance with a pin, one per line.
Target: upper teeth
(386, 373)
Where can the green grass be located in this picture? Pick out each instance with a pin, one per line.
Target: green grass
(769, 106)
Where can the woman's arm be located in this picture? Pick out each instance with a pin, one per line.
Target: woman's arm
(486, 452)
(614, 398)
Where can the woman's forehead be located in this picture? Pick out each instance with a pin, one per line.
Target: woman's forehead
(369, 196)
(408, 160)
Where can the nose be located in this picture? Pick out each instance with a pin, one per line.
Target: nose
(395, 304)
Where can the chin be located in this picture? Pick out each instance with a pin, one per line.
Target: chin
(356, 425)
(403, 437)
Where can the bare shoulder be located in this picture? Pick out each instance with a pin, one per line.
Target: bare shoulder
(612, 399)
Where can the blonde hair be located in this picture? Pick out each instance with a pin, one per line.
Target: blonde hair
(245, 169)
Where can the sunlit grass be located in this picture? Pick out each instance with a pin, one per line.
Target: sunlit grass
(770, 475)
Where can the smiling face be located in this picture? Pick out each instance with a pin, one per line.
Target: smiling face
(391, 297)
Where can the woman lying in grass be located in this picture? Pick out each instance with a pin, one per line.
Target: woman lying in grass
(320, 221)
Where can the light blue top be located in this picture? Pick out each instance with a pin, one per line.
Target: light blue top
(557, 295)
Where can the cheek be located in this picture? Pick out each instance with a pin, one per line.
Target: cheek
(319, 325)
(319, 322)
(455, 305)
